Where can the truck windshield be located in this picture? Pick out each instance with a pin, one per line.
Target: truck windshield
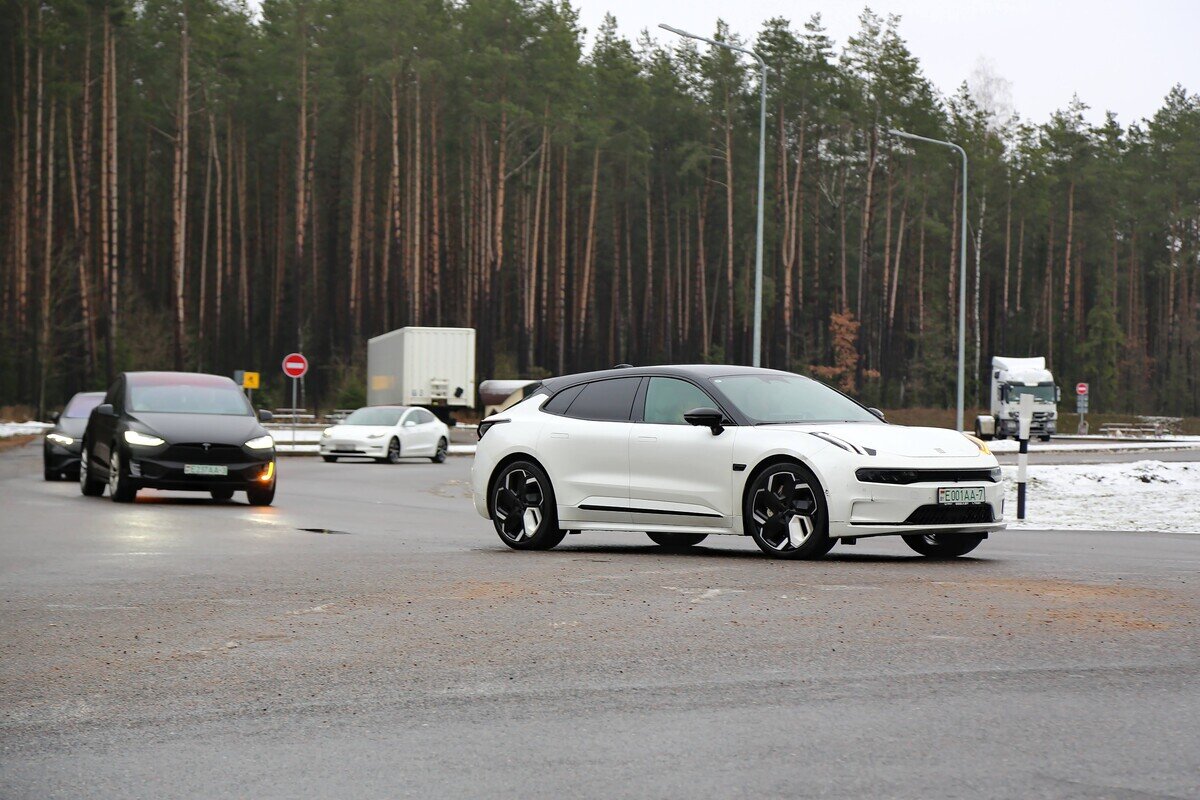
(1041, 394)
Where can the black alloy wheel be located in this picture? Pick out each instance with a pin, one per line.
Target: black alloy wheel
(442, 449)
(677, 541)
(523, 509)
(88, 485)
(785, 513)
(943, 545)
(393, 451)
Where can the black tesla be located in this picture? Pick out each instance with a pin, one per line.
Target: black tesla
(177, 430)
(60, 448)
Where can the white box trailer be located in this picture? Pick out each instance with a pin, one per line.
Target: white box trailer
(430, 367)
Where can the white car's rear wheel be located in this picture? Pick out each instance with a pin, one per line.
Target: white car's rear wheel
(786, 514)
(523, 508)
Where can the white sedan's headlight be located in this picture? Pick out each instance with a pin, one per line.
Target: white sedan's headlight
(142, 439)
(982, 445)
(376, 436)
(58, 438)
(325, 434)
(261, 443)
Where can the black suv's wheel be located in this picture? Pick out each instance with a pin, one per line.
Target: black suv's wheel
(89, 486)
(677, 541)
(221, 494)
(523, 509)
(442, 448)
(944, 545)
(120, 482)
(329, 459)
(261, 495)
(785, 513)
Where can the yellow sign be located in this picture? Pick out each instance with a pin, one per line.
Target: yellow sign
(249, 380)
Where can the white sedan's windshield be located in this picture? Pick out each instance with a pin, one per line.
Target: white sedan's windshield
(766, 399)
(374, 416)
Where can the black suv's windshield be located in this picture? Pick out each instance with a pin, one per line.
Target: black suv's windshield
(374, 416)
(189, 398)
(774, 399)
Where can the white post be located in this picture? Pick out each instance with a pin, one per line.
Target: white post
(1024, 420)
(294, 412)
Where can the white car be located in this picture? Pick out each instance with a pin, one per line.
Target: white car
(683, 452)
(387, 434)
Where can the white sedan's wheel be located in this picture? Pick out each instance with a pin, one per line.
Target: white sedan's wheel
(785, 513)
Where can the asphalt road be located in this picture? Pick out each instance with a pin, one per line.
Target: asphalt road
(186, 648)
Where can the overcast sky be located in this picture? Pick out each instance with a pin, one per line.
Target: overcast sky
(1119, 56)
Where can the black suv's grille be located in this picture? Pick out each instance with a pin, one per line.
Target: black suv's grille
(951, 515)
(199, 454)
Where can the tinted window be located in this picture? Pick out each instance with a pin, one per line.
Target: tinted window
(374, 416)
(81, 406)
(668, 399)
(424, 417)
(605, 400)
(768, 398)
(559, 403)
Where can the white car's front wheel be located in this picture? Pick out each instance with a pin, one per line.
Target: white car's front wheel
(786, 514)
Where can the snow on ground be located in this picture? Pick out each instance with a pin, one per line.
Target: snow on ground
(1134, 496)
(1091, 444)
(8, 429)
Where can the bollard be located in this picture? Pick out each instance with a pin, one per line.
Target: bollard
(1024, 420)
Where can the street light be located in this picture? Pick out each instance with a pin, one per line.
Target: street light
(762, 160)
(962, 272)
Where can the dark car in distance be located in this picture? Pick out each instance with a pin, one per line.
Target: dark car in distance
(178, 431)
(60, 448)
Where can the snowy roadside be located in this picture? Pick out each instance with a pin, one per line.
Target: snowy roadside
(8, 429)
(1134, 496)
(1095, 444)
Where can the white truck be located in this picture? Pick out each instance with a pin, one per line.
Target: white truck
(1011, 378)
(429, 367)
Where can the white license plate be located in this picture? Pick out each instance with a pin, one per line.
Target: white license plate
(205, 469)
(961, 495)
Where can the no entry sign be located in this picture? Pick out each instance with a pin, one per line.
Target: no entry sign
(1081, 389)
(295, 365)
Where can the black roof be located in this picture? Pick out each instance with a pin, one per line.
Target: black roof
(693, 371)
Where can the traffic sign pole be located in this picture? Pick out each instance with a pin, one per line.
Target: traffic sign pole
(295, 366)
(1081, 407)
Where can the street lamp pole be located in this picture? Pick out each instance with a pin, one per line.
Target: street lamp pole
(962, 273)
(762, 164)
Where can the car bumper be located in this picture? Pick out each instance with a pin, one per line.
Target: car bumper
(370, 449)
(149, 472)
(61, 458)
(884, 509)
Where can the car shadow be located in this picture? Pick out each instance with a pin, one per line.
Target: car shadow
(702, 552)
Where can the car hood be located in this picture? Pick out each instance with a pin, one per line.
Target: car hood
(898, 440)
(214, 428)
(358, 433)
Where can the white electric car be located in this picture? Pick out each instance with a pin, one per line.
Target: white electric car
(683, 452)
(387, 434)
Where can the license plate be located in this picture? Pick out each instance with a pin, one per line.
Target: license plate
(205, 469)
(961, 495)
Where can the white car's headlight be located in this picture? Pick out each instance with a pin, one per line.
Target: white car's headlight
(58, 438)
(376, 436)
(142, 439)
(261, 443)
(325, 434)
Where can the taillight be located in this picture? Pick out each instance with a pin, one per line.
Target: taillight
(486, 426)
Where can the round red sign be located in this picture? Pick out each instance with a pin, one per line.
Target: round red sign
(295, 365)
(1081, 388)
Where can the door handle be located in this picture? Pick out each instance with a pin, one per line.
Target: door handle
(559, 436)
(647, 438)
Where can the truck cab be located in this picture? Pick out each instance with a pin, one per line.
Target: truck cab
(1012, 378)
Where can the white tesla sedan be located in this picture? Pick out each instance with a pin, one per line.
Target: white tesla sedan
(683, 452)
(387, 434)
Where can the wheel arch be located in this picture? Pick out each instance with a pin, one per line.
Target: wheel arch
(504, 462)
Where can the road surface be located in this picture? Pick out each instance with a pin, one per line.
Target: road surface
(186, 648)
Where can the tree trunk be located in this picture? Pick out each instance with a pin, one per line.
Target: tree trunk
(179, 206)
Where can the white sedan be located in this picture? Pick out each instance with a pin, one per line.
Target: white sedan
(387, 434)
(683, 452)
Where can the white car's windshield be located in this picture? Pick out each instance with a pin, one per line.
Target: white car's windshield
(374, 416)
(774, 399)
